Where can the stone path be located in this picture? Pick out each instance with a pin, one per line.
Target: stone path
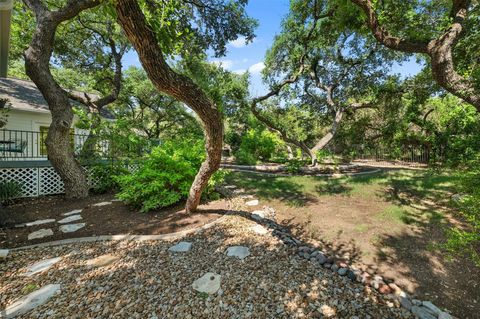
(31, 301)
(41, 266)
(182, 246)
(41, 233)
(270, 284)
(70, 219)
(70, 228)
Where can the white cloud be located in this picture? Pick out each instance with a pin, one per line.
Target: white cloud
(226, 64)
(238, 43)
(256, 68)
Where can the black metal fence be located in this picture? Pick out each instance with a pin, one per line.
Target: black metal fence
(409, 154)
(25, 145)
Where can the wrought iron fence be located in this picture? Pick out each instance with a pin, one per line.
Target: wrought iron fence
(30, 145)
(409, 154)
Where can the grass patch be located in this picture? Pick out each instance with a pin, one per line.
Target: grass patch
(396, 214)
(361, 228)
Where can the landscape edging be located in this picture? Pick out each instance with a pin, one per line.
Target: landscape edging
(121, 237)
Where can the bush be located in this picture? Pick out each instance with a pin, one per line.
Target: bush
(106, 175)
(9, 191)
(258, 145)
(165, 177)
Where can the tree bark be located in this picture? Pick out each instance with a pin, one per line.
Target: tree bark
(439, 50)
(37, 67)
(133, 21)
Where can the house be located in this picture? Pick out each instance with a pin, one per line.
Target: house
(27, 119)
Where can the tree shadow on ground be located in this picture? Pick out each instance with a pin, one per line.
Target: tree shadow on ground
(148, 279)
(268, 188)
(428, 271)
(333, 187)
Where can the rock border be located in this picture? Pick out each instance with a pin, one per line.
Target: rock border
(121, 237)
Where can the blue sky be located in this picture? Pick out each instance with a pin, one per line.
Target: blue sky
(241, 57)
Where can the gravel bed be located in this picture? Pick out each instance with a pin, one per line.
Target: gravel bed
(148, 281)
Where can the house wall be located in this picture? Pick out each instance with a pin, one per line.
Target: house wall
(31, 121)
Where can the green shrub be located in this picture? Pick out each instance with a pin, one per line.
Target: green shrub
(106, 175)
(165, 177)
(258, 145)
(9, 191)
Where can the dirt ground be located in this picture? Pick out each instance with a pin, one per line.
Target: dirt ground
(378, 227)
(116, 218)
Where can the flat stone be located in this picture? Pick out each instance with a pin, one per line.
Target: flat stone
(70, 219)
(444, 315)
(103, 260)
(41, 266)
(208, 283)
(102, 204)
(238, 251)
(39, 222)
(252, 202)
(73, 212)
(31, 301)
(258, 215)
(230, 186)
(432, 307)
(181, 247)
(422, 312)
(70, 228)
(405, 302)
(4, 253)
(259, 229)
(40, 233)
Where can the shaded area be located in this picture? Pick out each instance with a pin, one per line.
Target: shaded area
(148, 281)
(113, 219)
(391, 223)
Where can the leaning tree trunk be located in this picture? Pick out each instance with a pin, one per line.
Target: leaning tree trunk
(166, 80)
(37, 66)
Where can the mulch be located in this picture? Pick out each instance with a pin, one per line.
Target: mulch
(113, 219)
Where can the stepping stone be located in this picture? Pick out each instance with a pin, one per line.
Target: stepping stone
(181, 247)
(4, 253)
(259, 229)
(70, 228)
(70, 219)
(102, 204)
(258, 215)
(102, 261)
(238, 251)
(208, 283)
(41, 266)
(230, 186)
(40, 234)
(73, 212)
(31, 301)
(252, 202)
(39, 222)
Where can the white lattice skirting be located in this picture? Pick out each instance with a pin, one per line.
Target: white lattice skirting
(37, 181)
